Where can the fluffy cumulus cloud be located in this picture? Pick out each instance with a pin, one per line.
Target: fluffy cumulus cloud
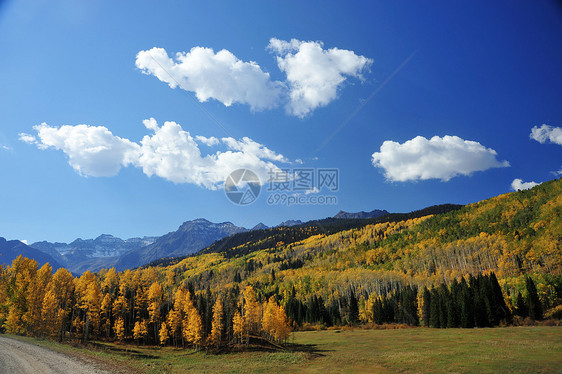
(314, 74)
(209, 142)
(91, 150)
(546, 133)
(220, 76)
(518, 185)
(168, 152)
(27, 138)
(435, 158)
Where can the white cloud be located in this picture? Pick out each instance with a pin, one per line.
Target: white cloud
(436, 158)
(315, 74)
(220, 76)
(24, 241)
(91, 150)
(546, 133)
(207, 141)
(5, 147)
(247, 145)
(27, 138)
(518, 184)
(169, 152)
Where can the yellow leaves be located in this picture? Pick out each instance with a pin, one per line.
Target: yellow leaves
(238, 325)
(154, 301)
(110, 281)
(164, 334)
(217, 325)
(192, 324)
(49, 313)
(119, 329)
(140, 331)
(275, 322)
(193, 329)
(251, 310)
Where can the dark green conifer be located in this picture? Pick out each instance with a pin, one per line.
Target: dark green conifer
(533, 302)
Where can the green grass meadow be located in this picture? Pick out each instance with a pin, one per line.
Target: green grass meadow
(414, 350)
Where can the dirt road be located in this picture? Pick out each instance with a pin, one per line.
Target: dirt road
(18, 357)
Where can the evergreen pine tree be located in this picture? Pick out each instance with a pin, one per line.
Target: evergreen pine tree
(353, 307)
(501, 312)
(426, 307)
(434, 309)
(443, 300)
(467, 305)
(534, 305)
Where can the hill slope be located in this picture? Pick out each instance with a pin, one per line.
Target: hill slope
(513, 234)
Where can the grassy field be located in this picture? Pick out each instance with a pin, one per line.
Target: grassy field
(504, 350)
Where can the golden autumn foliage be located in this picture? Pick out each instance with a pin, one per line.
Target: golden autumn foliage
(217, 325)
(220, 298)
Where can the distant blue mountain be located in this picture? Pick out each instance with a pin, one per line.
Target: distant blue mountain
(11, 249)
(372, 214)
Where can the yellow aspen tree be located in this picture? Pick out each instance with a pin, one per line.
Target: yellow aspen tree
(154, 303)
(110, 282)
(275, 322)
(195, 328)
(192, 325)
(92, 306)
(62, 284)
(164, 333)
(121, 304)
(141, 302)
(140, 331)
(216, 324)
(137, 331)
(176, 315)
(119, 329)
(238, 326)
(36, 295)
(106, 305)
(363, 310)
(49, 313)
(268, 319)
(282, 324)
(251, 311)
(81, 326)
(21, 273)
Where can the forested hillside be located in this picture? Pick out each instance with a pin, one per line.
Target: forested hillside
(475, 266)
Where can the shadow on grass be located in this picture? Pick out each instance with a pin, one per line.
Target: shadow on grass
(127, 351)
(310, 349)
(258, 344)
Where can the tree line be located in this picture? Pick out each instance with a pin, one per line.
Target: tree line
(149, 307)
(133, 306)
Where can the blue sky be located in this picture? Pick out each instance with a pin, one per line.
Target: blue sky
(479, 76)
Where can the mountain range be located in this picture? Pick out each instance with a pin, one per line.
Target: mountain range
(372, 214)
(190, 237)
(11, 249)
(91, 254)
(108, 251)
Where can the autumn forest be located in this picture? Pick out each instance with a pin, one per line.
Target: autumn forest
(491, 263)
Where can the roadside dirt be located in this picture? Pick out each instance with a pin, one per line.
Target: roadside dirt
(19, 357)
